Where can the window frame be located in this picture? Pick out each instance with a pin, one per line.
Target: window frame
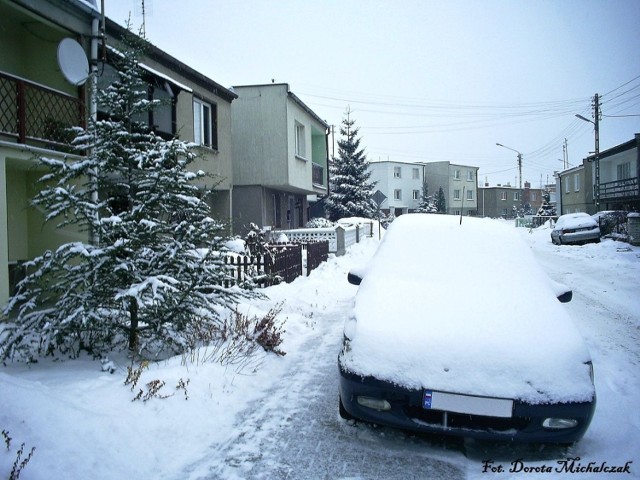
(397, 172)
(469, 195)
(416, 194)
(208, 127)
(456, 194)
(299, 133)
(397, 194)
(576, 182)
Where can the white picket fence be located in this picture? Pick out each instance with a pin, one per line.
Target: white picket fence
(340, 238)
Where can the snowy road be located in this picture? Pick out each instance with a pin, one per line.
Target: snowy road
(280, 421)
(295, 432)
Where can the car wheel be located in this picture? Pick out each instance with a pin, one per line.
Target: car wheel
(343, 412)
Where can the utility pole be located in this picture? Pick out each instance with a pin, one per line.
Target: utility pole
(596, 158)
(596, 124)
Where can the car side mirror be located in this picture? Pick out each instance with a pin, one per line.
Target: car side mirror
(563, 293)
(355, 276)
(354, 279)
(565, 297)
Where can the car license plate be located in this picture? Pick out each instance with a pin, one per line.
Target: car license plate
(469, 404)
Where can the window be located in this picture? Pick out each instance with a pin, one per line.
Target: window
(566, 187)
(457, 212)
(516, 196)
(470, 176)
(204, 124)
(416, 194)
(397, 172)
(503, 196)
(504, 212)
(300, 143)
(624, 171)
(415, 174)
(534, 196)
(469, 194)
(456, 194)
(456, 174)
(397, 194)
(576, 182)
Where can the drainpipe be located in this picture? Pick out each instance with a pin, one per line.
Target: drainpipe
(326, 142)
(93, 105)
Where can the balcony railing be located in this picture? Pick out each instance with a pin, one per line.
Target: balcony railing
(29, 111)
(620, 189)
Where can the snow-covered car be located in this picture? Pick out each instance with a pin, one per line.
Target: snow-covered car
(575, 228)
(456, 330)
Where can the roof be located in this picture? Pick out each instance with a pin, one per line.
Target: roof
(291, 95)
(176, 65)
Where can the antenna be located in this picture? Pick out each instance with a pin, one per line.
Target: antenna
(73, 61)
(144, 9)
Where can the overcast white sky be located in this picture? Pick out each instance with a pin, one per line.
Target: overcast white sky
(427, 80)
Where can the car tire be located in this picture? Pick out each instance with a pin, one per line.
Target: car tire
(343, 412)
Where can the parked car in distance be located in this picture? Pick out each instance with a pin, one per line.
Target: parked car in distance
(575, 228)
(456, 330)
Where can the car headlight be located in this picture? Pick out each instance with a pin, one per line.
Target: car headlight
(375, 403)
(559, 423)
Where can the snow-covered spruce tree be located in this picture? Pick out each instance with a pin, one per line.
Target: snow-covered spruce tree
(350, 189)
(441, 202)
(152, 269)
(427, 203)
(546, 208)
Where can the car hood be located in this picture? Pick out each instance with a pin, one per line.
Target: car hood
(474, 317)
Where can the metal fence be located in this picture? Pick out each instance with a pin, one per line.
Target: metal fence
(282, 262)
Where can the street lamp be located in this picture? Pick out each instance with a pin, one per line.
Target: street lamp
(519, 170)
(596, 157)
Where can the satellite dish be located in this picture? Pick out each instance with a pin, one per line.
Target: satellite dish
(73, 61)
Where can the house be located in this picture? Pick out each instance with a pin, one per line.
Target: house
(576, 191)
(459, 184)
(504, 201)
(280, 158)
(619, 188)
(39, 99)
(401, 183)
(194, 108)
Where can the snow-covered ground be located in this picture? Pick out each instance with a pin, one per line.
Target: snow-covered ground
(277, 417)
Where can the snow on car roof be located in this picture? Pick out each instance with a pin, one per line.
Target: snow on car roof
(464, 308)
(575, 220)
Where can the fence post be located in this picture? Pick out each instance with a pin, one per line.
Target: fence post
(340, 249)
(357, 233)
(633, 220)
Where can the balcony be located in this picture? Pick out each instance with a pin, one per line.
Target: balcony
(317, 175)
(33, 113)
(620, 190)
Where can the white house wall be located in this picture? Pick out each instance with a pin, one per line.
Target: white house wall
(387, 183)
(259, 128)
(299, 168)
(609, 165)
